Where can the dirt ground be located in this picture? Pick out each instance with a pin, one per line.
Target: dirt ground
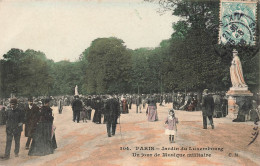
(139, 142)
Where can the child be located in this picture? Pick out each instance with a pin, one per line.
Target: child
(171, 128)
(83, 115)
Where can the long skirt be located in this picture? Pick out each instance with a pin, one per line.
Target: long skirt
(43, 142)
(125, 109)
(97, 117)
(152, 113)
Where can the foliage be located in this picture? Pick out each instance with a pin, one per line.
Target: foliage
(196, 61)
(25, 73)
(109, 64)
(191, 59)
(66, 76)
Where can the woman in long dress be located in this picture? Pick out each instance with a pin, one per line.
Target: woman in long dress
(124, 106)
(44, 141)
(151, 111)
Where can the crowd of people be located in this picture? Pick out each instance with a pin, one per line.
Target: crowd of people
(38, 127)
(37, 115)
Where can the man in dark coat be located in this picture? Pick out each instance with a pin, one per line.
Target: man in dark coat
(217, 106)
(224, 105)
(244, 105)
(14, 127)
(2, 113)
(129, 100)
(60, 105)
(31, 119)
(87, 103)
(77, 106)
(138, 102)
(207, 109)
(112, 112)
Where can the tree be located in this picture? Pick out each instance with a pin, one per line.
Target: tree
(140, 71)
(108, 66)
(25, 73)
(196, 60)
(66, 76)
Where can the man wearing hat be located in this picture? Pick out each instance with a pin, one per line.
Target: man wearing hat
(31, 119)
(112, 112)
(77, 106)
(14, 127)
(207, 108)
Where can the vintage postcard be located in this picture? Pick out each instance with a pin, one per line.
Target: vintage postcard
(129, 83)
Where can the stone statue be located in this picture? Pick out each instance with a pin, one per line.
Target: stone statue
(236, 72)
(239, 96)
(76, 91)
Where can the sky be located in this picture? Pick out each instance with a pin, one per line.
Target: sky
(63, 29)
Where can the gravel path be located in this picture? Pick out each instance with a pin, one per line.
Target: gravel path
(139, 142)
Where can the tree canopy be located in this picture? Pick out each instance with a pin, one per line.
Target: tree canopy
(191, 59)
(109, 64)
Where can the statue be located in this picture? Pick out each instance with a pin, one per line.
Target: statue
(238, 94)
(236, 72)
(76, 91)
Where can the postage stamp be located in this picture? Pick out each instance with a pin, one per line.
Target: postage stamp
(237, 22)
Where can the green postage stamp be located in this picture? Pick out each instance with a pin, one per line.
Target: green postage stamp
(237, 22)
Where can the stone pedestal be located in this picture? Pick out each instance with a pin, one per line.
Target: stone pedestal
(236, 91)
(237, 96)
(232, 108)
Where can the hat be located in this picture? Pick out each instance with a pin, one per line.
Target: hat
(47, 100)
(30, 99)
(205, 91)
(171, 110)
(13, 101)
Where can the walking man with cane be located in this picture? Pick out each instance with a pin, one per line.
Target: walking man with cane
(112, 113)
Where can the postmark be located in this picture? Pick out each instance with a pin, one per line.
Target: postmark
(255, 132)
(237, 22)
